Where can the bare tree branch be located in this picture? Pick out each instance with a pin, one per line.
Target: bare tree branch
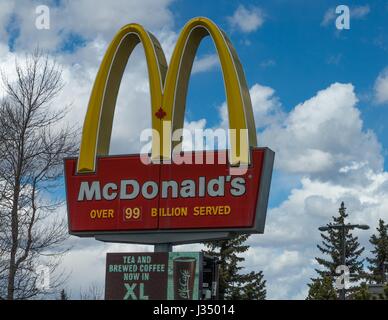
(94, 292)
(33, 143)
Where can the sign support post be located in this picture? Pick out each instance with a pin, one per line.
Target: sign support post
(163, 247)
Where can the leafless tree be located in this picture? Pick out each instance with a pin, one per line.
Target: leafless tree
(33, 143)
(94, 292)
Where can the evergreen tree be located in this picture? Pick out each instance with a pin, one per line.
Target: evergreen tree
(332, 247)
(234, 285)
(362, 293)
(380, 253)
(322, 289)
(63, 295)
(254, 288)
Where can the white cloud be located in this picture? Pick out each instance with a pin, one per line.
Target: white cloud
(293, 226)
(329, 124)
(81, 19)
(190, 142)
(80, 65)
(286, 259)
(381, 87)
(6, 9)
(284, 269)
(321, 141)
(328, 17)
(205, 63)
(88, 22)
(265, 104)
(324, 134)
(359, 12)
(268, 63)
(356, 12)
(247, 20)
(334, 59)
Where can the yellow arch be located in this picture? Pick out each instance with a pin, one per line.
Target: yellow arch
(237, 92)
(97, 127)
(167, 96)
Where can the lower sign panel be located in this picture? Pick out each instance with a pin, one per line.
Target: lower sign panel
(153, 276)
(125, 195)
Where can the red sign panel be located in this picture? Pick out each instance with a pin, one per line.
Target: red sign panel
(126, 195)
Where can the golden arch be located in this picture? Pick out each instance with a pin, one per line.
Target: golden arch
(168, 91)
(99, 117)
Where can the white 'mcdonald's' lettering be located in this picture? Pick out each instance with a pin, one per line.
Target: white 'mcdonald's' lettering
(131, 189)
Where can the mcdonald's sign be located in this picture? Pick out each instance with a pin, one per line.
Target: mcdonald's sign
(119, 198)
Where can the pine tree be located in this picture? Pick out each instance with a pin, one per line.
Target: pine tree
(332, 246)
(63, 295)
(322, 289)
(234, 285)
(362, 293)
(380, 253)
(254, 288)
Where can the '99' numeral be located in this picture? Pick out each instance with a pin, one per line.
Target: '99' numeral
(132, 213)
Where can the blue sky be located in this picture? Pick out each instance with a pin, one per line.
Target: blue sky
(320, 99)
(295, 54)
(303, 55)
